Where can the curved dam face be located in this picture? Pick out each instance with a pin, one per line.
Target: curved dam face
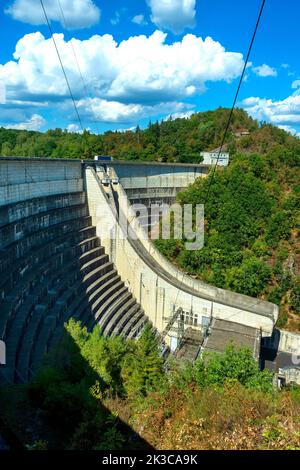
(57, 262)
(160, 287)
(52, 265)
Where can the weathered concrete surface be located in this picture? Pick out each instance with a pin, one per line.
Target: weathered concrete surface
(222, 333)
(52, 265)
(152, 182)
(159, 287)
(143, 176)
(23, 179)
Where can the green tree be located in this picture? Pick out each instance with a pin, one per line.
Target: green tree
(142, 370)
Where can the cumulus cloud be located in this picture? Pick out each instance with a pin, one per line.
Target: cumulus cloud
(78, 13)
(173, 15)
(75, 129)
(139, 19)
(281, 112)
(182, 115)
(265, 71)
(35, 123)
(296, 84)
(114, 111)
(290, 130)
(138, 71)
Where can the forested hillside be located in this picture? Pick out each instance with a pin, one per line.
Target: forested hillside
(178, 140)
(251, 222)
(252, 215)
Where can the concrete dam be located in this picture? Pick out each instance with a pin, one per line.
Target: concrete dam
(57, 262)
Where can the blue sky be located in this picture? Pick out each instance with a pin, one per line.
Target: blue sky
(146, 59)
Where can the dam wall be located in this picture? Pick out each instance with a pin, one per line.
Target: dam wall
(63, 254)
(52, 265)
(160, 287)
(156, 183)
(24, 179)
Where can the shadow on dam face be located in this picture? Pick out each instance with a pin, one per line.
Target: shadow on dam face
(61, 408)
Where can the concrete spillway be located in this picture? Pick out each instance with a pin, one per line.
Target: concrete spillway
(56, 261)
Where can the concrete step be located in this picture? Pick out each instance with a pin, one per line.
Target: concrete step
(40, 347)
(117, 311)
(116, 325)
(136, 325)
(80, 309)
(27, 341)
(40, 293)
(61, 312)
(22, 228)
(106, 300)
(20, 210)
(39, 245)
(114, 309)
(36, 268)
(35, 276)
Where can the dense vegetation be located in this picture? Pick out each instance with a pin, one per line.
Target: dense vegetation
(106, 393)
(179, 140)
(251, 227)
(252, 215)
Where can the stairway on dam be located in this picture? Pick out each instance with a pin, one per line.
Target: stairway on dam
(52, 268)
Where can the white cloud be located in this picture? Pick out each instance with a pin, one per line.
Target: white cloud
(265, 71)
(75, 129)
(2, 92)
(139, 71)
(114, 111)
(290, 130)
(184, 115)
(35, 123)
(128, 129)
(78, 13)
(296, 84)
(139, 19)
(281, 112)
(173, 15)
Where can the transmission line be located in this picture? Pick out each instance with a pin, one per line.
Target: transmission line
(62, 67)
(228, 124)
(235, 98)
(83, 80)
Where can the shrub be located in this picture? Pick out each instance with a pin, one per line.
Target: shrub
(234, 364)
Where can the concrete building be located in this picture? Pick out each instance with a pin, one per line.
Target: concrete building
(214, 156)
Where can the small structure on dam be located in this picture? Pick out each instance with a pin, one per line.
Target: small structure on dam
(57, 262)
